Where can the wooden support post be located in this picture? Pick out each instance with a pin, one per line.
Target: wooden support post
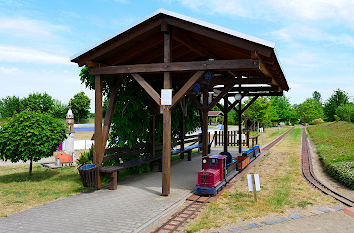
(181, 135)
(110, 111)
(99, 149)
(166, 148)
(216, 138)
(239, 128)
(205, 122)
(226, 119)
(153, 135)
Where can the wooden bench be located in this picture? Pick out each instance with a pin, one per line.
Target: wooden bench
(254, 139)
(115, 154)
(195, 143)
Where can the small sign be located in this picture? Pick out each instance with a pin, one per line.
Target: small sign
(250, 183)
(243, 137)
(261, 130)
(166, 97)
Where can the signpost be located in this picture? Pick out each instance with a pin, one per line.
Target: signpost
(253, 184)
(166, 97)
(261, 131)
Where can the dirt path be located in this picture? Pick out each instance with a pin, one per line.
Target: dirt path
(324, 177)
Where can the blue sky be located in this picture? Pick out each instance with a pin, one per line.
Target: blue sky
(314, 39)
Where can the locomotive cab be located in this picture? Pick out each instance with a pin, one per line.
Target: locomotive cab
(213, 175)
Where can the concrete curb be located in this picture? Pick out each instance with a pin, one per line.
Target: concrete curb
(165, 212)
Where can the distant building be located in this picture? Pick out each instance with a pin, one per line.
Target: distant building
(63, 160)
(213, 115)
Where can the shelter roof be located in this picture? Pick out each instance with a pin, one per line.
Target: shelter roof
(215, 113)
(192, 40)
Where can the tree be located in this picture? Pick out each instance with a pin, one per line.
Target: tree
(59, 110)
(280, 110)
(317, 96)
(338, 98)
(38, 102)
(346, 112)
(9, 106)
(259, 110)
(134, 108)
(309, 110)
(30, 135)
(80, 105)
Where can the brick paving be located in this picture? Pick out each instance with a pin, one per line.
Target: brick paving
(135, 204)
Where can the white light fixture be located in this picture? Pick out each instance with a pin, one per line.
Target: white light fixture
(238, 96)
(216, 92)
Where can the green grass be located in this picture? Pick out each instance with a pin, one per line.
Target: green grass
(282, 188)
(335, 145)
(19, 192)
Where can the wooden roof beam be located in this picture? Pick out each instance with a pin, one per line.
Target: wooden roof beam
(111, 44)
(137, 51)
(148, 88)
(186, 87)
(238, 42)
(240, 64)
(252, 89)
(255, 80)
(274, 93)
(189, 43)
(263, 68)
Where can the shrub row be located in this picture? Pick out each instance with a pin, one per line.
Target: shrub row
(334, 144)
(341, 171)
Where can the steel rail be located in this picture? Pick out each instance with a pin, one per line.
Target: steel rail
(307, 172)
(189, 210)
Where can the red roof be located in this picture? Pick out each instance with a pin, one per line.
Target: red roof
(215, 113)
(64, 158)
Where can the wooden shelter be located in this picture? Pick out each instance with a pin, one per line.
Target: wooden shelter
(188, 56)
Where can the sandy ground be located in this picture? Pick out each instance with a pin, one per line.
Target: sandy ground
(325, 178)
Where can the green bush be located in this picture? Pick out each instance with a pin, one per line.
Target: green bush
(342, 171)
(85, 157)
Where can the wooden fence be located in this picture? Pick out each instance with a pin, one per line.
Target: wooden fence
(232, 139)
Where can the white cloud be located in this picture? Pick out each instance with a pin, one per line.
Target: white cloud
(315, 9)
(229, 7)
(338, 10)
(23, 54)
(29, 28)
(9, 70)
(295, 31)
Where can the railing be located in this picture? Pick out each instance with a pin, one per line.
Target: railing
(232, 138)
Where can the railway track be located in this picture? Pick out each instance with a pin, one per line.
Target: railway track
(307, 172)
(196, 203)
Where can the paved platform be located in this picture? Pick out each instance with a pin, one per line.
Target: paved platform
(134, 205)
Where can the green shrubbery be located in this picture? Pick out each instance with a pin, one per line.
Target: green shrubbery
(334, 144)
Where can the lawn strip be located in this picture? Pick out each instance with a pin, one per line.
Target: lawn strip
(282, 184)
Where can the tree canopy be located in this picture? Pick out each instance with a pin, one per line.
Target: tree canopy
(317, 96)
(309, 110)
(346, 112)
(9, 106)
(38, 102)
(30, 135)
(338, 98)
(80, 105)
(134, 108)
